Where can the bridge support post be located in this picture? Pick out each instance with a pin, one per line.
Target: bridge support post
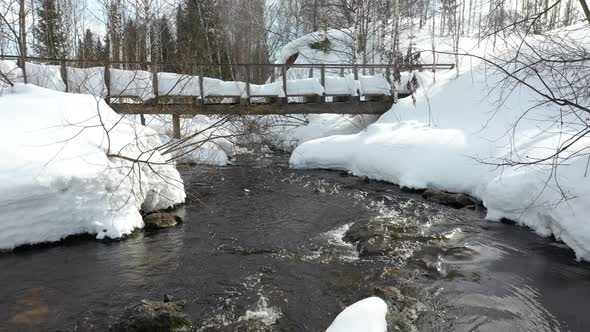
(176, 126)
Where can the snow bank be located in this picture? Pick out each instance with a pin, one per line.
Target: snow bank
(288, 133)
(87, 80)
(62, 175)
(338, 48)
(132, 83)
(367, 315)
(45, 76)
(455, 130)
(10, 70)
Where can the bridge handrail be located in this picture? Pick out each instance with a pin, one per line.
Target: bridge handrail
(198, 68)
(272, 65)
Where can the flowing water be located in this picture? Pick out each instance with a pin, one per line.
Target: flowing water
(263, 244)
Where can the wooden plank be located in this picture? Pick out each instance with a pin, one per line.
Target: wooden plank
(373, 107)
(341, 98)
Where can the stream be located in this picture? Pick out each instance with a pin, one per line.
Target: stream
(261, 249)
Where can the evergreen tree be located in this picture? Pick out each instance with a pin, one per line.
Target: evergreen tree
(114, 30)
(129, 45)
(88, 46)
(167, 52)
(201, 37)
(48, 31)
(99, 51)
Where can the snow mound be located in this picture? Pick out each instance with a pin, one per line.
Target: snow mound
(287, 133)
(367, 315)
(10, 71)
(61, 173)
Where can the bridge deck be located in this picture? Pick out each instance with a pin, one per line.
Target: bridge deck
(378, 105)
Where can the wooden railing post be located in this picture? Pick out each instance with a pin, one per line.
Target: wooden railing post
(273, 75)
(201, 84)
(355, 71)
(247, 82)
(107, 79)
(311, 72)
(323, 81)
(155, 81)
(341, 71)
(284, 74)
(64, 73)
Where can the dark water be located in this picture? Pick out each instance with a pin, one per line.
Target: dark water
(263, 243)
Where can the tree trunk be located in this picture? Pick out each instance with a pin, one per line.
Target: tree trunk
(586, 10)
(23, 39)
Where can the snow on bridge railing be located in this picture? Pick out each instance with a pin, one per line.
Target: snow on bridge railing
(122, 80)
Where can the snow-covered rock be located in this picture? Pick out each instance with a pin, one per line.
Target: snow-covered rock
(61, 173)
(367, 315)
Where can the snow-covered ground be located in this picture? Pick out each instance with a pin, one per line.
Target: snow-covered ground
(66, 169)
(286, 133)
(456, 130)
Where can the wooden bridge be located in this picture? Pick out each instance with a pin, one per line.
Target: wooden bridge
(248, 89)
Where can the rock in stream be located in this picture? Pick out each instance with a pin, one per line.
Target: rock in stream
(149, 316)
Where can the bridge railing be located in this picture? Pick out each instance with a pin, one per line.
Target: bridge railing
(130, 81)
